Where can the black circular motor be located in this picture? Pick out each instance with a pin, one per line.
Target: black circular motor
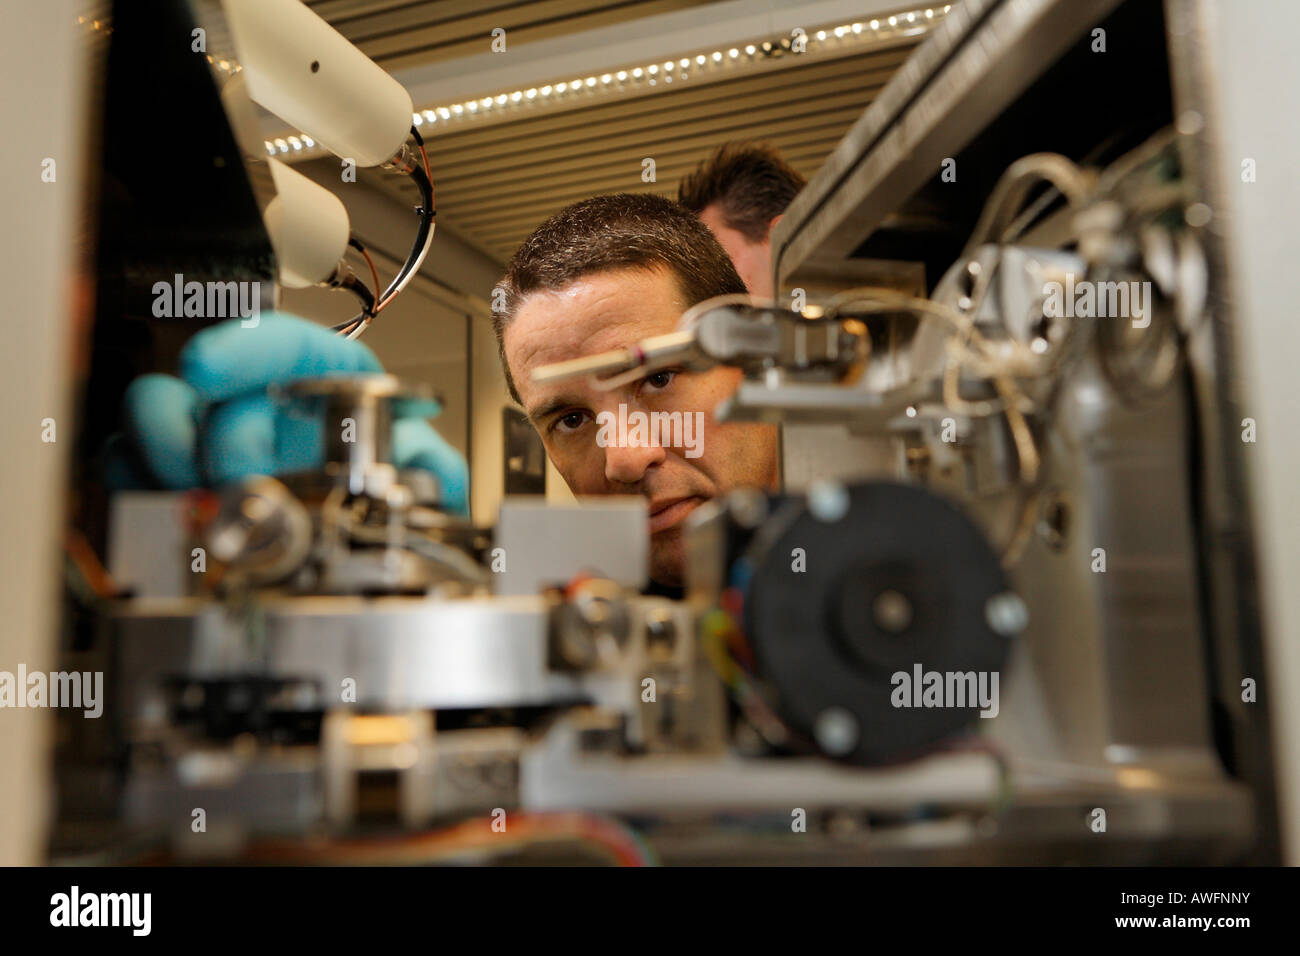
(856, 598)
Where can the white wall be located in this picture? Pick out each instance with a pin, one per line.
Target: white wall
(1253, 49)
(44, 116)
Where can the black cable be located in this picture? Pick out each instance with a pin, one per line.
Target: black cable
(362, 292)
(359, 289)
(422, 237)
(419, 248)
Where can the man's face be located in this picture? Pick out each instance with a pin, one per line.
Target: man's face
(753, 260)
(611, 310)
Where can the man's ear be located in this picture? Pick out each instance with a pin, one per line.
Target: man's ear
(772, 225)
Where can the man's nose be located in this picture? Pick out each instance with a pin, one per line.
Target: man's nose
(628, 464)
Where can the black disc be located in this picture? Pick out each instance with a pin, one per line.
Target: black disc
(902, 580)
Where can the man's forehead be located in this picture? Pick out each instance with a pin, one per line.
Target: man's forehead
(593, 314)
(551, 328)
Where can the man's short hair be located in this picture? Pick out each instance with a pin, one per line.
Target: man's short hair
(619, 231)
(750, 181)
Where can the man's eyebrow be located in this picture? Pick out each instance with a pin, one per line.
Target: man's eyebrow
(554, 405)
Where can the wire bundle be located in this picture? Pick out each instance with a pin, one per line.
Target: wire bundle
(423, 178)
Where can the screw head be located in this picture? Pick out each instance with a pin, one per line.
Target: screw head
(836, 731)
(1006, 614)
(828, 501)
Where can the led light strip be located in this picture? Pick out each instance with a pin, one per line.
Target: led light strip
(649, 75)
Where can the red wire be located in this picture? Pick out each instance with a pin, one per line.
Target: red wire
(374, 273)
(379, 307)
(467, 836)
(428, 172)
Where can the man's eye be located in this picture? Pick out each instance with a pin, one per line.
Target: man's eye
(571, 421)
(660, 380)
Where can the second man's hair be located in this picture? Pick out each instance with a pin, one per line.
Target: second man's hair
(750, 182)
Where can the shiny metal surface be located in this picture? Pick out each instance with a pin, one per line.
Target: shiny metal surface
(400, 652)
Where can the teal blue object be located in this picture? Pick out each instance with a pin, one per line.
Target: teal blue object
(216, 423)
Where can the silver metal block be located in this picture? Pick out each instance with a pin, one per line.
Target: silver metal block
(546, 544)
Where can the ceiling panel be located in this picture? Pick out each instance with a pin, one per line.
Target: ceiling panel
(398, 34)
(497, 177)
(495, 184)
